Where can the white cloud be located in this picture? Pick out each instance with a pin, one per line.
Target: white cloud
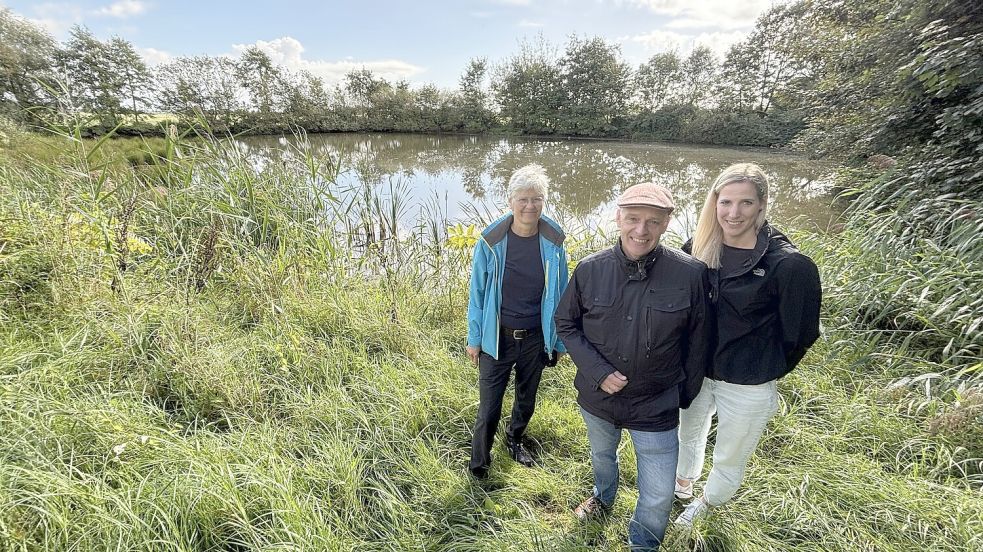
(530, 24)
(153, 56)
(57, 18)
(123, 9)
(288, 52)
(664, 41)
(718, 14)
(685, 23)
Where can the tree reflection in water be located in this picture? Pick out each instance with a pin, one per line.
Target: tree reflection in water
(586, 175)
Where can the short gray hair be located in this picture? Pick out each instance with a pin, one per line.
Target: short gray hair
(530, 177)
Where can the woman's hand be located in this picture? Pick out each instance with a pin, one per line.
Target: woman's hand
(473, 354)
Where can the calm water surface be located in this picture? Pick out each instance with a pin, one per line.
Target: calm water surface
(450, 173)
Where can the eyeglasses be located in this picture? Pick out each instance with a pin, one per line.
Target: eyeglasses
(526, 201)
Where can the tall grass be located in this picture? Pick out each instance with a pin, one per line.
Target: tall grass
(907, 287)
(263, 375)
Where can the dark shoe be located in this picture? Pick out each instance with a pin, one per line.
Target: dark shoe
(519, 453)
(591, 509)
(479, 473)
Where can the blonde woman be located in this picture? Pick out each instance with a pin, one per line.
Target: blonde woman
(767, 297)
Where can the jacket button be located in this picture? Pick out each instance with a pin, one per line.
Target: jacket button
(629, 317)
(670, 305)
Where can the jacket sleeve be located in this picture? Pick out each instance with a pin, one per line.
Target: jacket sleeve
(699, 344)
(570, 328)
(564, 280)
(799, 298)
(476, 293)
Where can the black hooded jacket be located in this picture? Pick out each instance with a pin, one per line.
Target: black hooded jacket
(767, 313)
(647, 319)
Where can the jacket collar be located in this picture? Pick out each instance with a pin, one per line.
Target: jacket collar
(548, 229)
(761, 246)
(637, 270)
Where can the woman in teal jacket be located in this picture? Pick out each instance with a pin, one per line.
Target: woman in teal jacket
(521, 253)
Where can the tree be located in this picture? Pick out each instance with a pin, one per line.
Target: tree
(903, 79)
(391, 107)
(659, 80)
(201, 86)
(132, 78)
(431, 105)
(307, 101)
(699, 72)
(528, 88)
(360, 85)
(93, 87)
(263, 81)
(765, 66)
(473, 104)
(26, 66)
(595, 86)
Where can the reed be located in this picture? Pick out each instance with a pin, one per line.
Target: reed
(268, 378)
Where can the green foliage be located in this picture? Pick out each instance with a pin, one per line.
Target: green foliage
(910, 85)
(473, 100)
(657, 81)
(595, 82)
(104, 79)
(26, 68)
(899, 70)
(529, 89)
(314, 394)
(588, 91)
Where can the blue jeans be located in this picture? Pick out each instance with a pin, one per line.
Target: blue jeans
(656, 453)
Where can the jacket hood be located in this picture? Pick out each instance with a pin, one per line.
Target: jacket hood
(548, 228)
(770, 239)
(773, 237)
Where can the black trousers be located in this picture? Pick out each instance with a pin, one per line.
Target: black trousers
(526, 356)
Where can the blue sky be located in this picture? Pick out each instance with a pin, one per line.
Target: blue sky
(417, 41)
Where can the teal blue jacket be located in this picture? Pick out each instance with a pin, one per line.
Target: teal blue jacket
(488, 270)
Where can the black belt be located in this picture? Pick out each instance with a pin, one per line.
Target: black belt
(519, 335)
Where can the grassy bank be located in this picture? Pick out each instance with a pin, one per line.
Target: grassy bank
(204, 356)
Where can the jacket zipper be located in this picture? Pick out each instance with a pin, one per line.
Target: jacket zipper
(498, 285)
(546, 287)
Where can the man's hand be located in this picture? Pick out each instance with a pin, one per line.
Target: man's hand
(473, 353)
(615, 382)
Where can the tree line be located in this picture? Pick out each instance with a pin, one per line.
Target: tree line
(814, 70)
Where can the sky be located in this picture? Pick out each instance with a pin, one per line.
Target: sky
(420, 42)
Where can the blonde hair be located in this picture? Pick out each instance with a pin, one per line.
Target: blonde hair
(709, 237)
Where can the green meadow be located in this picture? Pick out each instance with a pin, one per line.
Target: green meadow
(197, 354)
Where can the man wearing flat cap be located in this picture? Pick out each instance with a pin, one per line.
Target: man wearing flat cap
(634, 320)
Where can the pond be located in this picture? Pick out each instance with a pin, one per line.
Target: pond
(460, 176)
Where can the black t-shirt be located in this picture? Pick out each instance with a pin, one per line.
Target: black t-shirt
(734, 260)
(522, 285)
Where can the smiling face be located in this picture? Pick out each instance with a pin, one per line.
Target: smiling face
(527, 207)
(738, 206)
(641, 228)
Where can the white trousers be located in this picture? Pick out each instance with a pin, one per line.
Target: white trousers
(742, 412)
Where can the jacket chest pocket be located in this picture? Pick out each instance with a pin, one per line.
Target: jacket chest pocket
(599, 301)
(666, 314)
(599, 306)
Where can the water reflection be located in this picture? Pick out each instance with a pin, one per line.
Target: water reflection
(587, 176)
